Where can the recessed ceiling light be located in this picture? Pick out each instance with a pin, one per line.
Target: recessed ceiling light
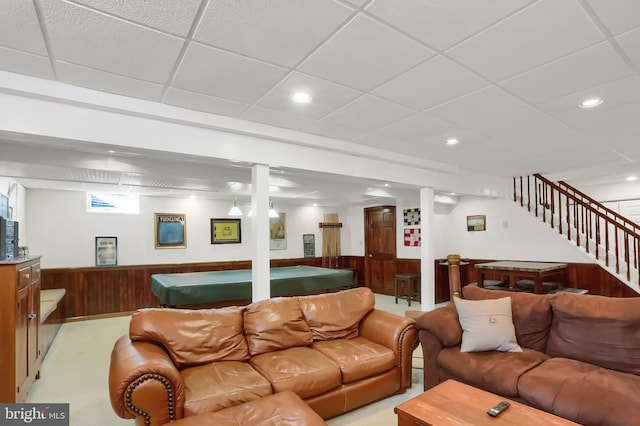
(591, 103)
(315, 204)
(452, 141)
(631, 178)
(386, 185)
(301, 97)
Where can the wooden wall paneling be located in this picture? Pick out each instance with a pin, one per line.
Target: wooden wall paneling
(108, 290)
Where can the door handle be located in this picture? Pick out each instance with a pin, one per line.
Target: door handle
(370, 255)
(32, 316)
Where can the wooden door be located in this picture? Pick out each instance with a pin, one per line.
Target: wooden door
(33, 344)
(380, 248)
(22, 333)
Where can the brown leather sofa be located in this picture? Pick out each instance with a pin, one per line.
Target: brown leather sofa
(335, 351)
(580, 359)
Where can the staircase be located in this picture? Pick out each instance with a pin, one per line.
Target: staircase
(609, 238)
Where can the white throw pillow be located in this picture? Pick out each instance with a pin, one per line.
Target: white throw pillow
(486, 325)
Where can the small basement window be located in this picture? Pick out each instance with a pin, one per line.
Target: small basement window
(113, 203)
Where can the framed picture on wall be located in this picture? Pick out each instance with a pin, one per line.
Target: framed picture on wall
(309, 245)
(476, 223)
(106, 251)
(226, 231)
(278, 232)
(170, 230)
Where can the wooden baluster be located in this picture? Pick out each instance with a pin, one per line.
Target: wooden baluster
(521, 192)
(536, 194)
(568, 219)
(553, 208)
(597, 236)
(528, 193)
(560, 212)
(606, 244)
(514, 190)
(626, 254)
(617, 254)
(586, 218)
(576, 223)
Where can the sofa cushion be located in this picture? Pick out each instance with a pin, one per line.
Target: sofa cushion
(531, 314)
(193, 337)
(280, 409)
(584, 393)
(494, 371)
(596, 329)
(486, 325)
(275, 324)
(214, 386)
(337, 315)
(357, 358)
(302, 370)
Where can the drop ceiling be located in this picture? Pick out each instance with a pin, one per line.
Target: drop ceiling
(504, 77)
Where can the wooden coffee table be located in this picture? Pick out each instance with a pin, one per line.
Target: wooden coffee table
(457, 404)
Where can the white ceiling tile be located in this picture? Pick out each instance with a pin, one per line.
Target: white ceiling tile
(589, 67)
(95, 40)
(614, 123)
(441, 24)
(216, 72)
(520, 126)
(332, 130)
(278, 31)
(408, 135)
(538, 34)
(326, 96)
(614, 94)
(172, 16)
(108, 82)
(618, 15)
(352, 56)
(201, 102)
(275, 118)
(630, 43)
(25, 63)
(368, 113)
(19, 27)
(435, 81)
(477, 106)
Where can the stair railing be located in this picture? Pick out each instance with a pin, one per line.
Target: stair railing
(584, 218)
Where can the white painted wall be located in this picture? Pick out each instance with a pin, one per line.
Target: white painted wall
(512, 233)
(61, 230)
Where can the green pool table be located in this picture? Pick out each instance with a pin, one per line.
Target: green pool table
(200, 288)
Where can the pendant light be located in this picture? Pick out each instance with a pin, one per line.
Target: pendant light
(235, 209)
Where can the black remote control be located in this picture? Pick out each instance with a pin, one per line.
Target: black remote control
(494, 411)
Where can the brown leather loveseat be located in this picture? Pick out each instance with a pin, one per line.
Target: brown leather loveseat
(335, 351)
(580, 355)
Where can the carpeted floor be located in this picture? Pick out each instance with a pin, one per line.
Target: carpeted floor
(76, 368)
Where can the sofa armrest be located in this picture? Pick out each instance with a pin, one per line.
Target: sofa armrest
(396, 333)
(144, 383)
(443, 323)
(437, 330)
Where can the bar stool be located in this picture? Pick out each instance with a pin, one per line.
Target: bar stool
(411, 284)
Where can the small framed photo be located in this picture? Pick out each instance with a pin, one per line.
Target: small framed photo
(106, 251)
(476, 223)
(226, 231)
(170, 230)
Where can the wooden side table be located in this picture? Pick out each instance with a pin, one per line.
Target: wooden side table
(411, 283)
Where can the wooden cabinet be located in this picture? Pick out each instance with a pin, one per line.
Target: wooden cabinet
(19, 327)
